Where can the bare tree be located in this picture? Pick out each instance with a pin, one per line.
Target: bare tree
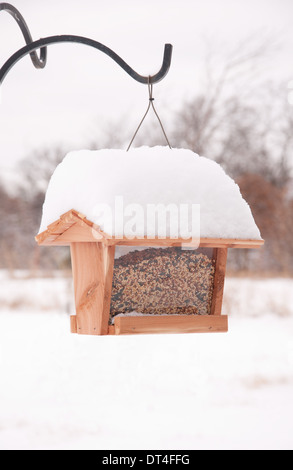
(37, 169)
(233, 118)
(244, 122)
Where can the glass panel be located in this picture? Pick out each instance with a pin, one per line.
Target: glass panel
(162, 281)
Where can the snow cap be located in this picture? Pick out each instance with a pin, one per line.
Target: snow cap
(88, 180)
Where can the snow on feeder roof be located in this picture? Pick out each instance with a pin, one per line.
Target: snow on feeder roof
(164, 283)
(87, 181)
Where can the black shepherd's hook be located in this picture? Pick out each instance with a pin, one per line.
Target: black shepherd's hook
(42, 44)
(39, 63)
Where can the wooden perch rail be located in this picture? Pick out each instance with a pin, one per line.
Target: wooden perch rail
(170, 324)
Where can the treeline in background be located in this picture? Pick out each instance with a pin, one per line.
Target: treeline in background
(237, 117)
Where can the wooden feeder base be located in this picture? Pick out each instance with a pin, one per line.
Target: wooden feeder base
(164, 324)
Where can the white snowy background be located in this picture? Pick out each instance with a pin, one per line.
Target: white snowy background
(62, 391)
(198, 391)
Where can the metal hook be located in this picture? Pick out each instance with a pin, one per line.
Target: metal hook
(42, 44)
(39, 63)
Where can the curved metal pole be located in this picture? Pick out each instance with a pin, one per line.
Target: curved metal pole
(42, 44)
(97, 45)
(39, 63)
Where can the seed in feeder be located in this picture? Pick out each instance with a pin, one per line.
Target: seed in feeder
(163, 281)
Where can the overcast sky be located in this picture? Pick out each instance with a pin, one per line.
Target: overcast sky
(81, 89)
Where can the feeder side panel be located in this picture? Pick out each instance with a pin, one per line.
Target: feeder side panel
(220, 256)
(89, 285)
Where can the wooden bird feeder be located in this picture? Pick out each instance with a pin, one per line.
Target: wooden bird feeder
(142, 285)
(156, 287)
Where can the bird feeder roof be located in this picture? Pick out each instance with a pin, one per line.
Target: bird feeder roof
(117, 181)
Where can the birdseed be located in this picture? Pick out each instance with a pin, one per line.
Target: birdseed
(161, 281)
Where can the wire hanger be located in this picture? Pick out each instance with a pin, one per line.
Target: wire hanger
(151, 104)
(40, 62)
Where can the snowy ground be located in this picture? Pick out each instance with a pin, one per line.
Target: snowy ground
(204, 391)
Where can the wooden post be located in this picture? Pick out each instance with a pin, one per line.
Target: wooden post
(108, 254)
(92, 266)
(220, 255)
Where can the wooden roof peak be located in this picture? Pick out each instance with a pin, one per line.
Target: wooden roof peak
(75, 227)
